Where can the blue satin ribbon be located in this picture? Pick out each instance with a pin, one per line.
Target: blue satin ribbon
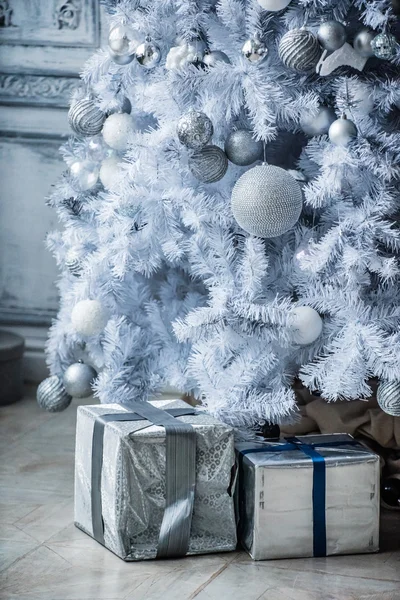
(319, 481)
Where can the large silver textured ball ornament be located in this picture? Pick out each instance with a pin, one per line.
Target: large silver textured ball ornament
(121, 59)
(213, 57)
(307, 325)
(208, 164)
(318, 124)
(384, 45)
(194, 129)
(78, 380)
(266, 201)
(117, 129)
(254, 50)
(52, 396)
(85, 118)
(122, 43)
(89, 317)
(148, 54)
(362, 42)
(388, 397)
(331, 35)
(85, 173)
(274, 5)
(242, 149)
(299, 50)
(342, 131)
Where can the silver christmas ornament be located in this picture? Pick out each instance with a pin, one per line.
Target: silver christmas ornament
(122, 43)
(120, 104)
(362, 42)
(78, 380)
(331, 35)
(384, 45)
(274, 5)
(85, 118)
(318, 124)
(85, 173)
(52, 396)
(254, 50)
(242, 149)
(121, 59)
(388, 397)
(342, 131)
(299, 50)
(194, 129)
(208, 164)
(266, 201)
(148, 54)
(213, 57)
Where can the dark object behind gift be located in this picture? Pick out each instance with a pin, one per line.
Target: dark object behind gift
(11, 374)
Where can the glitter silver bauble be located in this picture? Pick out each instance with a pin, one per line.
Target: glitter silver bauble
(274, 5)
(78, 380)
(299, 50)
(242, 149)
(388, 397)
(85, 173)
(208, 164)
(342, 131)
(362, 42)
(254, 50)
(122, 43)
(213, 57)
(384, 45)
(318, 124)
(52, 396)
(85, 118)
(266, 201)
(194, 129)
(148, 54)
(331, 35)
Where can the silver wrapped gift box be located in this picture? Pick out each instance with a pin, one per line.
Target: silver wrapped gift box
(314, 495)
(122, 496)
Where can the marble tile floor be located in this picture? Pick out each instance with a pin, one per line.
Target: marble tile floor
(44, 557)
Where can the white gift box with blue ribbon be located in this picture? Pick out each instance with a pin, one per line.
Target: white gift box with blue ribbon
(314, 495)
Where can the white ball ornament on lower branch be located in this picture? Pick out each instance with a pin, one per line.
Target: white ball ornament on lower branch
(89, 317)
(242, 149)
(117, 129)
(194, 129)
(274, 5)
(319, 123)
(85, 118)
(52, 396)
(85, 174)
(110, 171)
(306, 325)
(266, 201)
(388, 397)
(342, 131)
(78, 380)
(299, 50)
(209, 164)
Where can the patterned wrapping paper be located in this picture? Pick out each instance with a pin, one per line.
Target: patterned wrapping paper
(276, 506)
(133, 483)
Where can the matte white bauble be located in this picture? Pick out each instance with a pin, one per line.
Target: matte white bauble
(89, 317)
(307, 325)
(274, 5)
(110, 171)
(342, 131)
(117, 130)
(85, 173)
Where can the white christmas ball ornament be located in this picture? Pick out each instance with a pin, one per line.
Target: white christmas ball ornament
(117, 129)
(85, 173)
(89, 317)
(307, 325)
(110, 171)
(274, 5)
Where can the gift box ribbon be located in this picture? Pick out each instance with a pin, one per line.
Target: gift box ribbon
(180, 456)
(319, 480)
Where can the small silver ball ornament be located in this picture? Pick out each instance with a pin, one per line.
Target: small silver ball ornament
(148, 54)
(331, 35)
(362, 42)
(388, 397)
(122, 42)
(266, 201)
(85, 118)
(299, 50)
(318, 124)
(254, 50)
(213, 57)
(52, 396)
(208, 164)
(120, 104)
(242, 149)
(194, 129)
(85, 173)
(342, 131)
(384, 45)
(78, 380)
